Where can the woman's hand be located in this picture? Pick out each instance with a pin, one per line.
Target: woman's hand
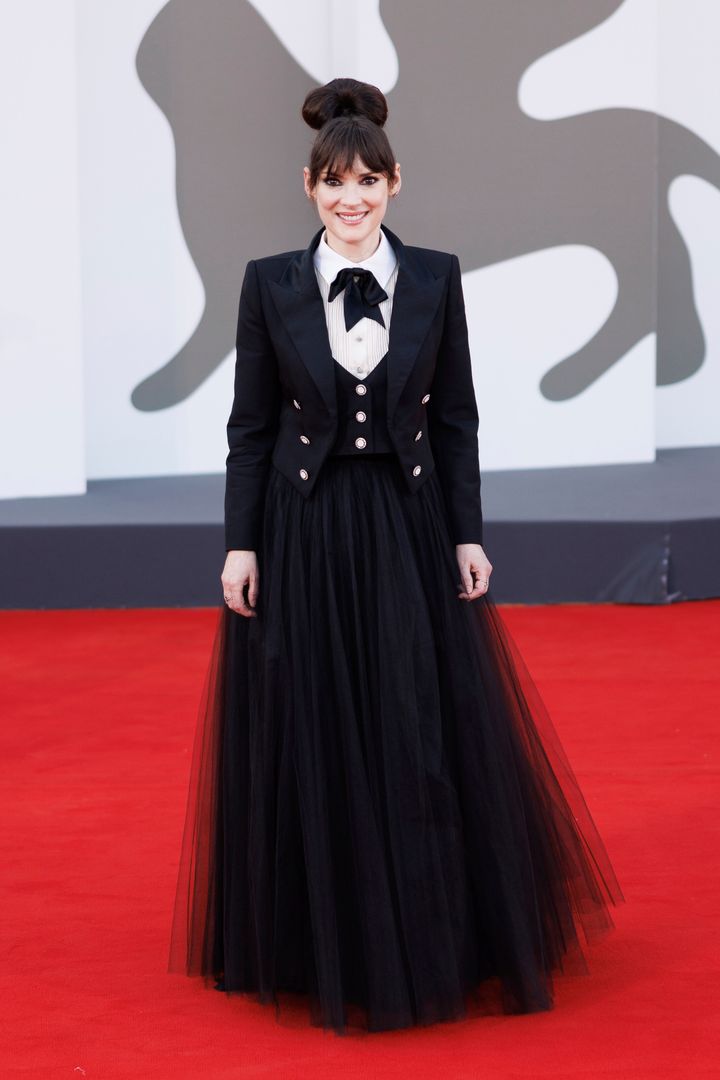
(475, 570)
(241, 569)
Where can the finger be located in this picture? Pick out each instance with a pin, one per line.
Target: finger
(253, 588)
(235, 600)
(480, 586)
(242, 606)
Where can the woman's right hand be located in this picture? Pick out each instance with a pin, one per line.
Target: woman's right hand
(241, 569)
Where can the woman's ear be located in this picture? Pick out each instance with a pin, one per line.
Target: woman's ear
(397, 184)
(306, 181)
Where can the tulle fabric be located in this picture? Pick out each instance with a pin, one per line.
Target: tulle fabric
(381, 821)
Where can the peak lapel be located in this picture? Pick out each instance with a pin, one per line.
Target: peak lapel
(300, 305)
(415, 301)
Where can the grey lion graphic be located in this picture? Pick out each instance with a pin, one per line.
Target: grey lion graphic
(481, 178)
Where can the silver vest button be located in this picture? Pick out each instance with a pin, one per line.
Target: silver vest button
(360, 442)
(360, 416)
(361, 388)
(296, 403)
(304, 438)
(417, 470)
(304, 473)
(419, 435)
(426, 399)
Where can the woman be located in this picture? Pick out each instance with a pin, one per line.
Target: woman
(381, 818)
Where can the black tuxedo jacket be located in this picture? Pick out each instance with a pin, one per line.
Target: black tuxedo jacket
(285, 386)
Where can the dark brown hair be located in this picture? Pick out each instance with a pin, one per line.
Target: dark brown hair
(349, 117)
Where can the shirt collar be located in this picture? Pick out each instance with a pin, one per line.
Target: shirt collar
(381, 262)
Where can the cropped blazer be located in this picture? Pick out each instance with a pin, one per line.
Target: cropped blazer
(284, 412)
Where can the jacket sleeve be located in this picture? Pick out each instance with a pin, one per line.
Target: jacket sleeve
(453, 420)
(253, 423)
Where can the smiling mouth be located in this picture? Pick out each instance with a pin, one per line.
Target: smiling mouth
(352, 219)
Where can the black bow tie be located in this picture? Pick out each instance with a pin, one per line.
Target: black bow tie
(362, 295)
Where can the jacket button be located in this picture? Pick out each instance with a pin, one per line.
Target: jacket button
(304, 473)
(361, 388)
(360, 442)
(360, 416)
(417, 470)
(296, 403)
(304, 438)
(426, 399)
(419, 435)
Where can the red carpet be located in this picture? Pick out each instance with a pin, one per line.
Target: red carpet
(98, 716)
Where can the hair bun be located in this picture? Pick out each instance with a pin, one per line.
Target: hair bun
(344, 97)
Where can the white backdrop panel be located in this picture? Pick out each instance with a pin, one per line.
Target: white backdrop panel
(42, 438)
(117, 283)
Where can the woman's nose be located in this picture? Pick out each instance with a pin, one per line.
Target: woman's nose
(352, 198)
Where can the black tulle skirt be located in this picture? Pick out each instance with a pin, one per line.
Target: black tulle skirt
(381, 821)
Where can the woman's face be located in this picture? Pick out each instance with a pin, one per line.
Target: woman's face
(352, 206)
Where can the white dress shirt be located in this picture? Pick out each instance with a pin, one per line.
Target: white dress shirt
(360, 349)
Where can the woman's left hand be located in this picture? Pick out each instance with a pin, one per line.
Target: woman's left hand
(475, 571)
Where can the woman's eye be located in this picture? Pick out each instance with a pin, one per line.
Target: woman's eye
(332, 180)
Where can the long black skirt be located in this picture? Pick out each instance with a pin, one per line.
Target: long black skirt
(381, 821)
